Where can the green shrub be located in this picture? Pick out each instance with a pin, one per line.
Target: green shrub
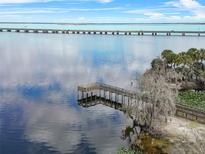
(192, 99)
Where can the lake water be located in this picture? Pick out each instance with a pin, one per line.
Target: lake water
(39, 75)
(137, 27)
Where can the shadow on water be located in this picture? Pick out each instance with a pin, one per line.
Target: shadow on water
(95, 100)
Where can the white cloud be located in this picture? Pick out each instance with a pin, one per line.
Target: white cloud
(190, 3)
(192, 6)
(104, 1)
(44, 1)
(173, 11)
(21, 1)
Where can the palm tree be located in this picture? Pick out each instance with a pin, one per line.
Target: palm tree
(193, 52)
(157, 64)
(202, 54)
(167, 55)
(178, 59)
(202, 58)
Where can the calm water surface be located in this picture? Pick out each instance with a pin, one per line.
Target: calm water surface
(39, 74)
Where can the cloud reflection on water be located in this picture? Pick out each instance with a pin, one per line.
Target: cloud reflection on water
(41, 73)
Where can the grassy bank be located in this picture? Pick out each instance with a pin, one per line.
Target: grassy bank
(192, 99)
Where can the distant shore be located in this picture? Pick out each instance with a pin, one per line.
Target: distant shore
(69, 23)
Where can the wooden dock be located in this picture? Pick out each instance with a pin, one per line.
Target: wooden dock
(105, 32)
(106, 92)
(115, 97)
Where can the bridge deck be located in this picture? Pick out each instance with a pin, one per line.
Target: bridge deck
(113, 32)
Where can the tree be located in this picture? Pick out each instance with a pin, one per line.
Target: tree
(167, 55)
(155, 102)
(193, 53)
(157, 64)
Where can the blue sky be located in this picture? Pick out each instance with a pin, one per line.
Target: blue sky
(102, 10)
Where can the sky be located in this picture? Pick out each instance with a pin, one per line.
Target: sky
(102, 11)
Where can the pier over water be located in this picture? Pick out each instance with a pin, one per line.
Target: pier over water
(115, 97)
(105, 32)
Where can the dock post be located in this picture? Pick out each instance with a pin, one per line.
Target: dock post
(100, 93)
(86, 96)
(122, 99)
(199, 34)
(91, 95)
(78, 96)
(82, 94)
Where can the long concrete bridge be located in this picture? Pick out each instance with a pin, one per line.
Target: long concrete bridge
(115, 97)
(105, 32)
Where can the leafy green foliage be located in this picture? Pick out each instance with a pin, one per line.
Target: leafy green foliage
(192, 99)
